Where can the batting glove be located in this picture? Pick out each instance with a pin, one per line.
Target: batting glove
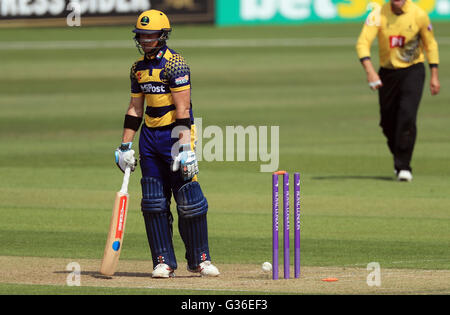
(185, 162)
(125, 157)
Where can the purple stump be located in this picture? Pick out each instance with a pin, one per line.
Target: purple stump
(286, 224)
(297, 224)
(275, 226)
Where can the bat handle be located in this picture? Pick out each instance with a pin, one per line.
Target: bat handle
(126, 180)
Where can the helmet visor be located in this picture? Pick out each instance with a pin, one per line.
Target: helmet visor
(140, 31)
(145, 43)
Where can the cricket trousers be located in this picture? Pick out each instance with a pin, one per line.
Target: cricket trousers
(399, 99)
(159, 184)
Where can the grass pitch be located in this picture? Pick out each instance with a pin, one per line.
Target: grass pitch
(63, 96)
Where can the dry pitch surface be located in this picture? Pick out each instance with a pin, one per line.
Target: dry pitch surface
(235, 278)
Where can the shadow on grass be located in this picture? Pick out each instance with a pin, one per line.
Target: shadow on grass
(98, 275)
(341, 177)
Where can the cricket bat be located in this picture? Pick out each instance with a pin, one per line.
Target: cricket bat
(116, 229)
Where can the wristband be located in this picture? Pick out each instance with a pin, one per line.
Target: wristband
(186, 122)
(132, 122)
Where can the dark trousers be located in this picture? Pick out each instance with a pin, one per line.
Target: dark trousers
(399, 99)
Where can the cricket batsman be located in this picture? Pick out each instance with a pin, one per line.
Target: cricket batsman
(161, 78)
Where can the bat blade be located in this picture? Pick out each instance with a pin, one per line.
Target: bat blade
(116, 232)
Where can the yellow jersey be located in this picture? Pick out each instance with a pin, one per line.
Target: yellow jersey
(402, 39)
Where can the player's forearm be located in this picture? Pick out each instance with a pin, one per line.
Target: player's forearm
(435, 85)
(183, 119)
(372, 76)
(128, 135)
(136, 107)
(133, 119)
(368, 66)
(182, 101)
(434, 71)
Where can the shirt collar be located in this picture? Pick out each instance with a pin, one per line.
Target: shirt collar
(406, 6)
(159, 55)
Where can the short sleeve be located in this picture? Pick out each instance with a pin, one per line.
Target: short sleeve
(135, 88)
(178, 73)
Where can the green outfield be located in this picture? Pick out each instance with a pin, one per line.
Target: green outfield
(64, 93)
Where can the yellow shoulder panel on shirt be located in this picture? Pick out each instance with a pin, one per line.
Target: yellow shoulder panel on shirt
(168, 54)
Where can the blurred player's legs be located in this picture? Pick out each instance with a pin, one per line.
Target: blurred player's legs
(399, 102)
(411, 89)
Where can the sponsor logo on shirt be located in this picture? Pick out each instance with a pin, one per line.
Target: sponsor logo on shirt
(182, 80)
(396, 41)
(150, 88)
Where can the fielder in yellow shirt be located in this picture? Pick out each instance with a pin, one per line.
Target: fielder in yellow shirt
(404, 34)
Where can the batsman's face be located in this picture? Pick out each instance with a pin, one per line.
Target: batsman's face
(148, 41)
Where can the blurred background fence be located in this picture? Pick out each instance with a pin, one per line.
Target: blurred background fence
(32, 13)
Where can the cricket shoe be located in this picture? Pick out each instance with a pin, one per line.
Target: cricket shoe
(163, 271)
(404, 176)
(206, 269)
